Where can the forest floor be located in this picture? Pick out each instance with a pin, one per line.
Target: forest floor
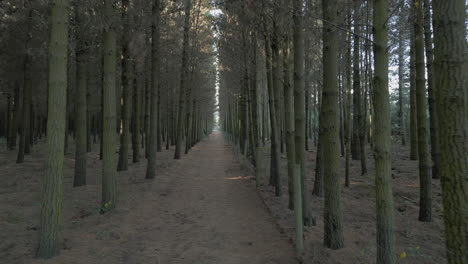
(204, 209)
(416, 242)
(201, 209)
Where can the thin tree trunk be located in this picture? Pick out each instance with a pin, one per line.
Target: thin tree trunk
(401, 81)
(80, 108)
(109, 184)
(434, 129)
(152, 147)
(425, 202)
(413, 108)
(183, 82)
(136, 119)
(127, 83)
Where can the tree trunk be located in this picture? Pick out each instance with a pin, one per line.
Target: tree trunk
(333, 228)
(137, 85)
(425, 202)
(401, 81)
(80, 109)
(290, 126)
(183, 82)
(382, 138)
(152, 143)
(451, 64)
(127, 83)
(349, 102)
(275, 178)
(109, 184)
(413, 108)
(50, 239)
(357, 113)
(434, 129)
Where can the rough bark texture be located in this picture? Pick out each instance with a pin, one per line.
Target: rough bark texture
(183, 82)
(127, 85)
(275, 148)
(152, 145)
(333, 228)
(382, 138)
(413, 109)
(357, 109)
(452, 109)
(109, 194)
(425, 199)
(434, 129)
(401, 80)
(349, 102)
(289, 128)
(50, 240)
(137, 87)
(299, 108)
(81, 114)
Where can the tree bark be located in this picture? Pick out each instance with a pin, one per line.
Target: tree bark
(127, 87)
(425, 202)
(50, 239)
(382, 138)
(450, 84)
(81, 109)
(434, 129)
(109, 184)
(183, 82)
(152, 146)
(333, 228)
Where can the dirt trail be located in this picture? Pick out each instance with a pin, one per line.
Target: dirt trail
(199, 210)
(203, 212)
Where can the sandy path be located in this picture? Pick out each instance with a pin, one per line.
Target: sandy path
(199, 210)
(203, 211)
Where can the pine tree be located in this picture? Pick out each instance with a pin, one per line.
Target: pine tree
(382, 138)
(333, 228)
(109, 193)
(50, 238)
(450, 83)
(425, 202)
(153, 116)
(81, 105)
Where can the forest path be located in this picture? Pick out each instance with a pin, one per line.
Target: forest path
(202, 211)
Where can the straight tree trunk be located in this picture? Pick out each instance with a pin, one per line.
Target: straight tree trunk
(299, 108)
(127, 83)
(152, 147)
(434, 129)
(183, 82)
(50, 239)
(333, 217)
(137, 85)
(401, 82)
(349, 102)
(15, 119)
(109, 184)
(357, 112)
(290, 127)
(450, 84)
(425, 199)
(413, 109)
(81, 108)
(275, 178)
(382, 138)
